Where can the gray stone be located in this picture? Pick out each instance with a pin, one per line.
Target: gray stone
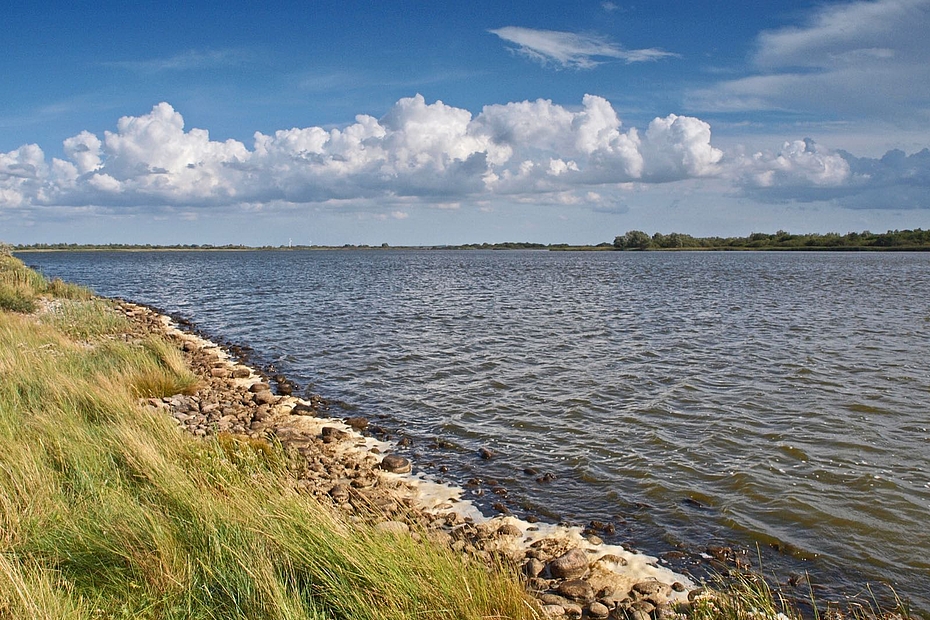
(569, 565)
(509, 529)
(241, 372)
(259, 387)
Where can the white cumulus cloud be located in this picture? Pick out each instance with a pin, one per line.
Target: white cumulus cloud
(428, 153)
(805, 171)
(572, 50)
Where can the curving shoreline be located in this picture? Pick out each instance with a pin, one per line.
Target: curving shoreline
(569, 574)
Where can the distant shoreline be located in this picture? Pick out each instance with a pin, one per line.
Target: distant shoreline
(496, 248)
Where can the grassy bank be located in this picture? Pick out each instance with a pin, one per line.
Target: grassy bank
(109, 512)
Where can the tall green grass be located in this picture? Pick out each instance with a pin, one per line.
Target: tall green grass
(107, 511)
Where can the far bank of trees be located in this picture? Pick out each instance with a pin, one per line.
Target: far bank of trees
(893, 239)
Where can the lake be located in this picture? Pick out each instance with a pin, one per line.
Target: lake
(770, 400)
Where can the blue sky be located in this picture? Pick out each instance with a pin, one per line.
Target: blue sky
(430, 123)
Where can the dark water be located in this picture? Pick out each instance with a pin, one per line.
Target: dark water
(770, 399)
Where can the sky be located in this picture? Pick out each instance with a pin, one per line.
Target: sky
(428, 123)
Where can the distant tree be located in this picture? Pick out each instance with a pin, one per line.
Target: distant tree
(637, 240)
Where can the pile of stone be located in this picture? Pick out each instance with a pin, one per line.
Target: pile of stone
(570, 576)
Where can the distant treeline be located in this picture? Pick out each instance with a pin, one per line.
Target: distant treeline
(633, 240)
(509, 245)
(781, 240)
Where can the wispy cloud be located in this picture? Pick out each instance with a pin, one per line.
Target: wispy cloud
(186, 61)
(858, 59)
(571, 50)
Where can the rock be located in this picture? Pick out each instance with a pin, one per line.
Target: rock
(536, 584)
(485, 454)
(392, 527)
(576, 590)
(573, 610)
(509, 529)
(552, 611)
(331, 434)
(613, 559)
(259, 387)
(357, 423)
(571, 565)
(501, 508)
(533, 567)
(219, 373)
(552, 599)
(654, 591)
(303, 409)
(598, 611)
(395, 464)
(241, 372)
(643, 606)
(339, 493)
(265, 397)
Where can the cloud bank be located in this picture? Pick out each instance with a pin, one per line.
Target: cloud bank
(804, 171)
(570, 50)
(436, 154)
(433, 152)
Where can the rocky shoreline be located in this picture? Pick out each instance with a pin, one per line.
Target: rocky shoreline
(571, 574)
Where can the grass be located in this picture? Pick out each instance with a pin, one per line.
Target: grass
(107, 511)
(747, 595)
